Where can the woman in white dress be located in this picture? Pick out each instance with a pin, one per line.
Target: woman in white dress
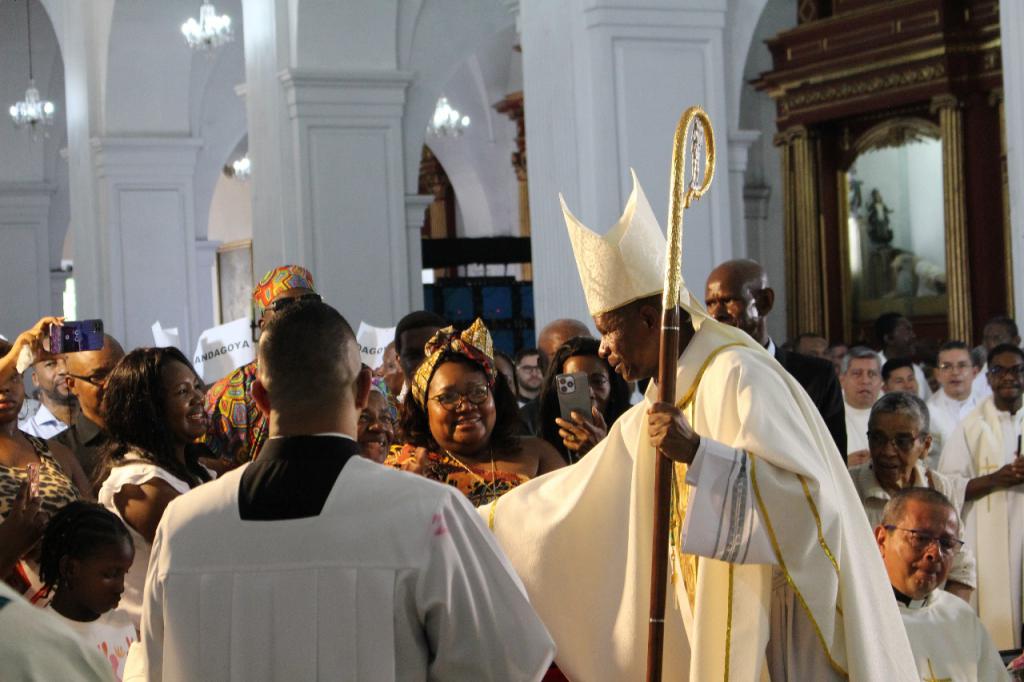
(153, 403)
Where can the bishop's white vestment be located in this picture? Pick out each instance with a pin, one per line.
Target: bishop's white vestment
(949, 641)
(778, 558)
(396, 579)
(984, 441)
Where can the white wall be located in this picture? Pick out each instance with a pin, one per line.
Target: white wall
(230, 211)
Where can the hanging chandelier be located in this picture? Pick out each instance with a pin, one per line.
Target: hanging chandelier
(32, 111)
(447, 121)
(240, 169)
(212, 30)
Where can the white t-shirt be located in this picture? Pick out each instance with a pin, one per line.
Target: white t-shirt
(856, 427)
(111, 634)
(136, 472)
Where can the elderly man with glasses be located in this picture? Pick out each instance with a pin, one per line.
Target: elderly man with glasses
(236, 429)
(919, 539)
(986, 448)
(898, 442)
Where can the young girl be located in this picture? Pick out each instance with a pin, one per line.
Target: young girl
(86, 554)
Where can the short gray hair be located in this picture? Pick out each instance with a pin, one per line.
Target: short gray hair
(901, 402)
(895, 509)
(860, 353)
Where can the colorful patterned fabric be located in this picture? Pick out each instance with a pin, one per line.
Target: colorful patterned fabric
(236, 429)
(476, 481)
(474, 343)
(278, 281)
(378, 384)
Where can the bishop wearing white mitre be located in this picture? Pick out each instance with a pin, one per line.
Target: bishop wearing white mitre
(774, 568)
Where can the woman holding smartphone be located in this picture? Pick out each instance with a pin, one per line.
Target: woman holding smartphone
(35, 482)
(460, 422)
(609, 398)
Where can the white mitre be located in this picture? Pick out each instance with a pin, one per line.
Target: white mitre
(628, 263)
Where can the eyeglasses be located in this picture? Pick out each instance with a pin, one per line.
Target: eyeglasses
(998, 371)
(97, 379)
(919, 541)
(452, 400)
(281, 303)
(950, 366)
(878, 440)
(529, 369)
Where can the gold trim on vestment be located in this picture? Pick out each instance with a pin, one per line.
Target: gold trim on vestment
(782, 566)
(728, 626)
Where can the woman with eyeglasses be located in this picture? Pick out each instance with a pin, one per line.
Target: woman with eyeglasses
(153, 408)
(460, 422)
(609, 398)
(36, 480)
(375, 430)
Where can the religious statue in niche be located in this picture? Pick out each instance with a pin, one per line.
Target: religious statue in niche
(889, 272)
(878, 219)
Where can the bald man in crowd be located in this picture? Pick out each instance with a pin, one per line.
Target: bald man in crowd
(737, 293)
(87, 374)
(312, 562)
(550, 339)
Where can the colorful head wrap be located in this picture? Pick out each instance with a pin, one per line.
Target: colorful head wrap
(474, 343)
(278, 281)
(378, 384)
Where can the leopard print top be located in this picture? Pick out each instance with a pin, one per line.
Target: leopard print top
(55, 486)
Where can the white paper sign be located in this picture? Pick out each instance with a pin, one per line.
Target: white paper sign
(223, 349)
(372, 342)
(165, 338)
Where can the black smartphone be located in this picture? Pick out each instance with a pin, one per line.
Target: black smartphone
(573, 394)
(74, 337)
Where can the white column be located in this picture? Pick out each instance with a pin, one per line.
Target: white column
(58, 282)
(207, 313)
(604, 88)
(24, 255)
(739, 142)
(1011, 26)
(350, 213)
(415, 208)
(147, 235)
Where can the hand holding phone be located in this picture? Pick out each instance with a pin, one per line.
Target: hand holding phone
(76, 336)
(573, 394)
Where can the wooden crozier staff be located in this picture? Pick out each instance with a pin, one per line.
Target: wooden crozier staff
(694, 126)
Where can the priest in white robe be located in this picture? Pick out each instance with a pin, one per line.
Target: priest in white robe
(774, 568)
(919, 536)
(985, 448)
(955, 399)
(312, 562)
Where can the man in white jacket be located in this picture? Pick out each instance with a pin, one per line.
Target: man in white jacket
(314, 563)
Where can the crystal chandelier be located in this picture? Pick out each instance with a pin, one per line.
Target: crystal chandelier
(447, 122)
(31, 111)
(212, 30)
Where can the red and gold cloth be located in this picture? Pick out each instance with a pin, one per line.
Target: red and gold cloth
(236, 429)
(474, 343)
(479, 482)
(278, 281)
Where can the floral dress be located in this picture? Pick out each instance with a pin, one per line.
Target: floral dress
(481, 483)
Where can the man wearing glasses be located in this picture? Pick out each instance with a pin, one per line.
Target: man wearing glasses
(985, 448)
(236, 429)
(898, 443)
(919, 537)
(955, 372)
(86, 374)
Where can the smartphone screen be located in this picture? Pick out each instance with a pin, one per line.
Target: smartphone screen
(74, 337)
(573, 394)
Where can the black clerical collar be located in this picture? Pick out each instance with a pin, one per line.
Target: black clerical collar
(293, 476)
(907, 601)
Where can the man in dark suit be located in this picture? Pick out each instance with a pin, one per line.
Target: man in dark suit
(737, 294)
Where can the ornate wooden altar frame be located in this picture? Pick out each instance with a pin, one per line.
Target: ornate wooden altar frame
(858, 68)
